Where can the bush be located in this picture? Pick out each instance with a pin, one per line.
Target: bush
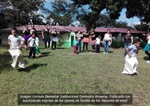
(60, 42)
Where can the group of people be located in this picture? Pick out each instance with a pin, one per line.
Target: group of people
(94, 40)
(30, 40)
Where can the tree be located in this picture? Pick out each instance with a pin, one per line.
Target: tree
(140, 8)
(20, 12)
(96, 6)
(62, 12)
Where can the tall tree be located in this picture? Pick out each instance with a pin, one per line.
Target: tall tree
(140, 8)
(62, 12)
(96, 6)
(20, 12)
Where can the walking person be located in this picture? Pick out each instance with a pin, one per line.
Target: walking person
(16, 42)
(85, 40)
(54, 38)
(107, 41)
(128, 40)
(46, 37)
(79, 36)
(131, 62)
(147, 48)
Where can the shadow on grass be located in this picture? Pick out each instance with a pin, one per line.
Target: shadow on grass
(146, 58)
(32, 67)
(5, 62)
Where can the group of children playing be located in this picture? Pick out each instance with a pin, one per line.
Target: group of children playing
(16, 42)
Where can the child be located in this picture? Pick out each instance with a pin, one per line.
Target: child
(75, 45)
(32, 43)
(131, 62)
(16, 42)
(98, 40)
(147, 48)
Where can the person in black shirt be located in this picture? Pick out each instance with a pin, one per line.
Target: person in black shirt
(46, 37)
(54, 38)
(93, 40)
(85, 40)
(128, 40)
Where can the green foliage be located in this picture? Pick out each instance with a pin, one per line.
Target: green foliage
(20, 12)
(62, 12)
(60, 42)
(96, 6)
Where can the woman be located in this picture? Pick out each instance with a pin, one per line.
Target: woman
(147, 48)
(46, 37)
(128, 40)
(93, 40)
(79, 36)
(107, 41)
(85, 40)
(54, 38)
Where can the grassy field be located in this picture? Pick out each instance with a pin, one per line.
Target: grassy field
(62, 72)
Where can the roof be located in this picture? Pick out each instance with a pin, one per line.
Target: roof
(58, 28)
(75, 29)
(119, 30)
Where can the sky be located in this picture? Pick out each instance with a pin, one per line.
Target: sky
(123, 18)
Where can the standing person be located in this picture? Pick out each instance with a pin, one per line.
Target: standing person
(46, 37)
(54, 38)
(85, 40)
(98, 40)
(131, 62)
(147, 48)
(26, 36)
(107, 41)
(93, 40)
(128, 40)
(75, 45)
(32, 29)
(16, 42)
(32, 43)
(79, 36)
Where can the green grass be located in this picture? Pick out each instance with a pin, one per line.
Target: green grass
(62, 72)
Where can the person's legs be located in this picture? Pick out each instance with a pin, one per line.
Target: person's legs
(45, 44)
(86, 44)
(52, 44)
(148, 54)
(30, 52)
(48, 44)
(79, 46)
(83, 45)
(33, 50)
(105, 45)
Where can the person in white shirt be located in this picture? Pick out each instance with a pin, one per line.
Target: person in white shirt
(16, 42)
(32, 43)
(98, 41)
(147, 48)
(107, 41)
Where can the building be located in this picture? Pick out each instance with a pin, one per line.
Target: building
(67, 33)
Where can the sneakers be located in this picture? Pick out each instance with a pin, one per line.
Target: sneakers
(148, 61)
